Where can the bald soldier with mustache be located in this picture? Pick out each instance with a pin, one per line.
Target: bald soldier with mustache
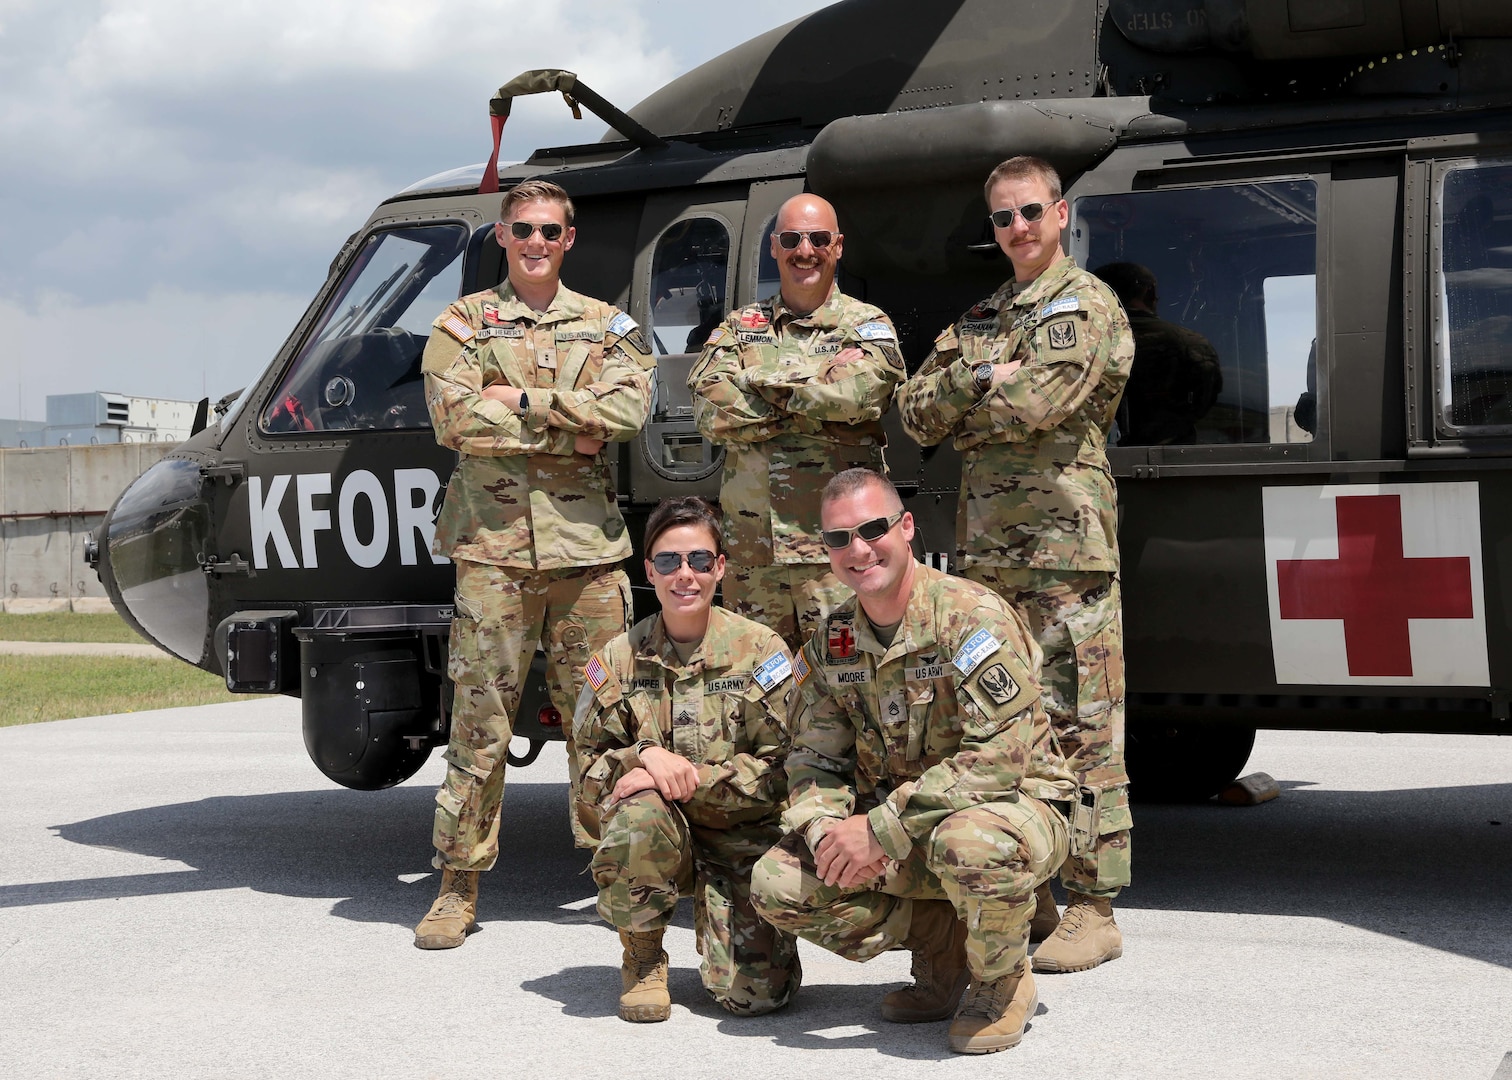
(793, 388)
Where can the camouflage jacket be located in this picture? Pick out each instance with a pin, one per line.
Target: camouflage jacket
(947, 717)
(725, 711)
(520, 496)
(1036, 490)
(768, 390)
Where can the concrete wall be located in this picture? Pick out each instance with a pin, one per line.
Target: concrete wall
(51, 498)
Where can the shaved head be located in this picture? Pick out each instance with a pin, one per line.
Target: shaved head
(807, 211)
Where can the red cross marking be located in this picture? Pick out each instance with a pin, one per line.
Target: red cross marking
(1373, 588)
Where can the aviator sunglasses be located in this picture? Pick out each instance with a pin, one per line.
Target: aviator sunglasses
(1032, 211)
(551, 232)
(700, 561)
(870, 531)
(819, 238)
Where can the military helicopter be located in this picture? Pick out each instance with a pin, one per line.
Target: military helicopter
(1322, 190)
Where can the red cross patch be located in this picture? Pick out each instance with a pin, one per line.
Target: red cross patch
(754, 319)
(842, 640)
(1376, 584)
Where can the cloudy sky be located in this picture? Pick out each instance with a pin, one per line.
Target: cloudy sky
(177, 175)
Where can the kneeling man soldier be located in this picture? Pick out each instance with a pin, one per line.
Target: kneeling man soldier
(926, 797)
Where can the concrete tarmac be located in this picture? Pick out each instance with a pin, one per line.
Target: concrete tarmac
(183, 895)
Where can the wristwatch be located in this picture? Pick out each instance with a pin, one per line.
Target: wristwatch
(524, 403)
(983, 374)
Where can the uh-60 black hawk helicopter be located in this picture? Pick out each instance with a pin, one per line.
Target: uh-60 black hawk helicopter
(1321, 189)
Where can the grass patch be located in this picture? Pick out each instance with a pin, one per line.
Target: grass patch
(66, 626)
(58, 687)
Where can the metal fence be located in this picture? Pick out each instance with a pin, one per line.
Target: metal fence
(51, 498)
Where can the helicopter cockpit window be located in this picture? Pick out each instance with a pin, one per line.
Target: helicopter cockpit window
(1219, 283)
(360, 367)
(1475, 296)
(688, 275)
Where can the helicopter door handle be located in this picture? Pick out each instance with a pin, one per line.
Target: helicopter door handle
(215, 566)
(229, 471)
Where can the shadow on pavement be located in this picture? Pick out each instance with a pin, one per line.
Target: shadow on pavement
(1426, 865)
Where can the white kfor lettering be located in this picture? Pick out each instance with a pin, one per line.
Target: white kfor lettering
(267, 523)
(364, 483)
(311, 520)
(415, 515)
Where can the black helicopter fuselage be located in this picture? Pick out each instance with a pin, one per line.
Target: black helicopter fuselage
(1328, 205)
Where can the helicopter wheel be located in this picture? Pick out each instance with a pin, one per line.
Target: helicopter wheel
(1178, 761)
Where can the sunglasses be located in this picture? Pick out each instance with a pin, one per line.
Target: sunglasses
(819, 238)
(870, 531)
(1032, 211)
(551, 232)
(700, 561)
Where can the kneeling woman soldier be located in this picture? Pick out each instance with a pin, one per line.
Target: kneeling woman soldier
(681, 732)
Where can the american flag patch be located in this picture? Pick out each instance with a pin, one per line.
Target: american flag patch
(801, 670)
(458, 328)
(595, 673)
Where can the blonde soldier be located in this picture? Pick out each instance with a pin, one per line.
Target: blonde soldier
(1028, 382)
(926, 798)
(681, 731)
(793, 387)
(527, 381)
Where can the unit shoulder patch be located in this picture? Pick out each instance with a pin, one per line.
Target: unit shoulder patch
(1061, 335)
(979, 646)
(459, 328)
(1001, 687)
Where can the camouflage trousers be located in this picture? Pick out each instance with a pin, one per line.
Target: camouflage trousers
(501, 615)
(1077, 618)
(791, 598)
(650, 855)
(986, 860)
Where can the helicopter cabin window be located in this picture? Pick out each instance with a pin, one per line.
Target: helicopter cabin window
(1220, 287)
(360, 367)
(1475, 296)
(688, 276)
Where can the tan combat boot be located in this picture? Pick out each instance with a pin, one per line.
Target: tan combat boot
(993, 1016)
(1046, 917)
(1086, 936)
(644, 998)
(454, 913)
(937, 939)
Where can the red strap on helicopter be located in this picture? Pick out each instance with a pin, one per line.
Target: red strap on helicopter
(490, 184)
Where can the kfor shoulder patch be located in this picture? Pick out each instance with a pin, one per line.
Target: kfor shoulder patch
(1001, 687)
(458, 327)
(772, 671)
(979, 646)
(1060, 307)
(876, 331)
(622, 324)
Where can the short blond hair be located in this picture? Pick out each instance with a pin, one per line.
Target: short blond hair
(530, 191)
(1024, 167)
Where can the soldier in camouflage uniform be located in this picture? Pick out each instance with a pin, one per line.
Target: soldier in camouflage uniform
(793, 388)
(680, 732)
(926, 798)
(527, 381)
(1028, 382)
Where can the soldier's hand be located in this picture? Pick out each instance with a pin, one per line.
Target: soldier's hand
(676, 777)
(848, 355)
(582, 444)
(849, 853)
(633, 781)
(509, 395)
(1000, 372)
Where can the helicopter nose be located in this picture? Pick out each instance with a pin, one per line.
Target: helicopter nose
(148, 555)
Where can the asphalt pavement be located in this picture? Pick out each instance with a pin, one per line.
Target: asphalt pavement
(183, 895)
